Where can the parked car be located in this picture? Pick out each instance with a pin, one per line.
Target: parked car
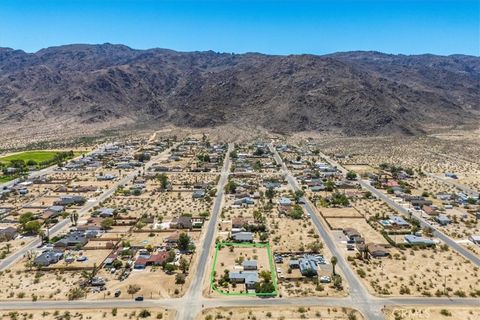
(325, 279)
(139, 298)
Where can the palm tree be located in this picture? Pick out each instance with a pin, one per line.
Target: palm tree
(365, 252)
(74, 218)
(334, 261)
(30, 256)
(41, 235)
(90, 275)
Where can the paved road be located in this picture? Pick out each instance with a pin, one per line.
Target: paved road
(57, 228)
(361, 299)
(194, 293)
(423, 222)
(181, 303)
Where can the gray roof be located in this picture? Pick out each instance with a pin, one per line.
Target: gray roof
(249, 263)
(413, 239)
(47, 258)
(250, 277)
(243, 236)
(72, 239)
(56, 208)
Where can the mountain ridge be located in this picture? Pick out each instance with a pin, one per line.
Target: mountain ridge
(353, 93)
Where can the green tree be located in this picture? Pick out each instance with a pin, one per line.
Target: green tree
(337, 282)
(107, 223)
(471, 201)
(163, 181)
(339, 199)
(329, 185)
(169, 268)
(351, 175)
(183, 265)
(297, 212)
(230, 187)
(184, 241)
(144, 313)
(32, 227)
(266, 276)
(270, 193)
(26, 217)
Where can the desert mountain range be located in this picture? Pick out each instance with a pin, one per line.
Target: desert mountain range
(352, 93)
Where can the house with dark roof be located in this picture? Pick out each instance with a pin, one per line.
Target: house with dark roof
(374, 250)
(418, 201)
(73, 239)
(352, 234)
(47, 258)
(52, 212)
(244, 201)
(8, 234)
(106, 212)
(183, 222)
(238, 223)
(69, 200)
(173, 238)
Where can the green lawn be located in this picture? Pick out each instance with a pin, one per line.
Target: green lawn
(4, 179)
(38, 156)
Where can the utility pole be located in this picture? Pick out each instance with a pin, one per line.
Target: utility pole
(445, 286)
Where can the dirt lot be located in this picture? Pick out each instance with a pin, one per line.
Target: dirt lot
(361, 226)
(340, 212)
(361, 169)
(433, 313)
(91, 314)
(372, 207)
(420, 272)
(153, 283)
(163, 204)
(279, 313)
(18, 283)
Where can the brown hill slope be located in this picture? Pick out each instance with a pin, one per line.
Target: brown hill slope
(356, 93)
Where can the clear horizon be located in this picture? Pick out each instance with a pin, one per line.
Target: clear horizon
(270, 27)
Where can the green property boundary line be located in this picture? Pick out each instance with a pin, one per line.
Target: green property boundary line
(219, 245)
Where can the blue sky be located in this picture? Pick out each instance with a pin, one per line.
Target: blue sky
(274, 27)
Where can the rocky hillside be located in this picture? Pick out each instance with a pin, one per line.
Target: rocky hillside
(355, 93)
